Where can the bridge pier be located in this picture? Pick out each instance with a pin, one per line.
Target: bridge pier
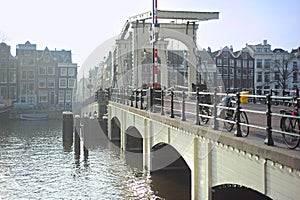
(147, 144)
(67, 130)
(77, 137)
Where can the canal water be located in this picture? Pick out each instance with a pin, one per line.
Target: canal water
(34, 165)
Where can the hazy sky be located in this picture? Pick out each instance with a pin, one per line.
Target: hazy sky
(81, 26)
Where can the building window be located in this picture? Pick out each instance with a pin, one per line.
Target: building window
(42, 83)
(3, 91)
(231, 61)
(71, 83)
(245, 56)
(225, 62)
(63, 71)
(23, 99)
(31, 88)
(61, 96)
(69, 96)
(3, 76)
(267, 63)
(62, 83)
(12, 77)
(71, 72)
(51, 70)
(42, 70)
(12, 92)
(12, 65)
(23, 75)
(259, 76)
(50, 83)
(259, 63)
(267, 77)
(219, 62)
(245, 63)
(30, 75)
(251, 63)
(23, 88)
(250, 72)
(238, 63)
(225, 71)
(30, 62)
(43, 96)
(26, 52)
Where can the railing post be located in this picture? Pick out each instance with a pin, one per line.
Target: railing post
(172, 104)
(269, 140)
(142, 100)
(150, 99)
(162, 103)
(183, 118)
(197, 106)
(136, 98)
(254, 98)
(216, 122)
(238, 132)
(131, 98)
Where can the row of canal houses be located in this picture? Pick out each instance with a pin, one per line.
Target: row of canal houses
(257, 68)
(42, 79)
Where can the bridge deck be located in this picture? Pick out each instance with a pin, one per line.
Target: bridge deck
(252, 144)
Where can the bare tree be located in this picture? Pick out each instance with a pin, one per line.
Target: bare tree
(282, 72)
(3, 37)
(282, 69)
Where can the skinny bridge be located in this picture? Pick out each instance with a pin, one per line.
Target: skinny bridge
(216, 160)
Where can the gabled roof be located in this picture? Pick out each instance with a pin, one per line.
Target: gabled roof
(62, 56)
(41, 54)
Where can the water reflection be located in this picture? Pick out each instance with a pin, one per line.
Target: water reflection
(35, 165)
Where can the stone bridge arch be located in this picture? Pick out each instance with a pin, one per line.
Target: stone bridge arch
(115, 135)
(134, 147)
(234, 191)
(169, 164)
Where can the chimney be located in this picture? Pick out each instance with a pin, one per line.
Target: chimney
(265, 42)
(231, 48)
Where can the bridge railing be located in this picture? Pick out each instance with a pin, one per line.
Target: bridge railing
(264, 119)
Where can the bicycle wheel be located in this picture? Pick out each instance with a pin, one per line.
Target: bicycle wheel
(244, 129)
(204, 120)
(289, 125)
(228, 116)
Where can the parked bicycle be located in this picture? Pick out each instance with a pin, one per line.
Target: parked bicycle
(291, 126)
(204, 110)
(230, 114)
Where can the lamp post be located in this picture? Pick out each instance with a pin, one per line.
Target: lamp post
(155, 31)
(184, 65)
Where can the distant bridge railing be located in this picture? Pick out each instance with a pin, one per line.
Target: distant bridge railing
(185, 105)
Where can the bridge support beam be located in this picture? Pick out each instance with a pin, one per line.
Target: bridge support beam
(202, 173)
(147, 144)
(109, 128)
(123, 131)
